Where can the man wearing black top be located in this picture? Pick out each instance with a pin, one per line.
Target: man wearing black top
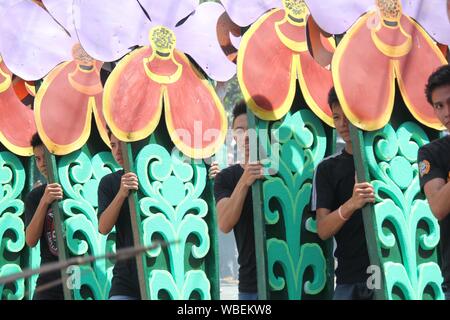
(434, 166)
(337, 201)
(232, 191)
(40, 225)
(113, 210)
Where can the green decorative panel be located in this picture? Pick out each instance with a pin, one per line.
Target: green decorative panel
(79, 174)
(298, 264)
(402, 233)
(33, 263)
(174, 205)
(13, 253)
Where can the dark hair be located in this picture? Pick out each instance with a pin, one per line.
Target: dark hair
(108, 132)
(332, 98)
(439, 78)
(36, 141)
(239, 109)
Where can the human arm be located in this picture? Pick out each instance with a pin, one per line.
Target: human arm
(432, 180)
(34, 229)
(329, 223)
(109, 216)
(331, 213)
(229, 209)
(438, 195)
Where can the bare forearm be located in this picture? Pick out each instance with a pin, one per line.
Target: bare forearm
(229, 210)
(109, 217)
(34, 230)
(440, 202)
(330, 224)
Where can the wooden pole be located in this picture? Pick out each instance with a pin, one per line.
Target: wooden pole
(135, 223)
(52, 177)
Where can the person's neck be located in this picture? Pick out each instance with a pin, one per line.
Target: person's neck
(348, 147)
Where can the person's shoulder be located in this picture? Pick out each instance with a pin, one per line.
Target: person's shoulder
(230, 171)
(442, 143)
(330, 161)
(229, 174)
(36, 192)
(436, 146)
(113, 176)
(35, 195)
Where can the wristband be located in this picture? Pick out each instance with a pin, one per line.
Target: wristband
(340, 214)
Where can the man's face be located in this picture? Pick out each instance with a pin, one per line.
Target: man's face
(39, 153)
(441, 104)
(341, 122)
(240, 127)
(116, 149)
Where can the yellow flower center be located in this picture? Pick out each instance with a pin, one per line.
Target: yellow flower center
(81, 57)
(163, 41)
(296, 10)
(391, 10)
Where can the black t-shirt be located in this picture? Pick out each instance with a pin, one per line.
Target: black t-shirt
(125, 279)
(434, 162)
(333, 184)
(48, 245)
(224, 185)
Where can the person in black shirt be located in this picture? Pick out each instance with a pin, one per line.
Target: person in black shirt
(234, 205)
(337, 201)
(113, 210)
(40, 226)
(434, 166)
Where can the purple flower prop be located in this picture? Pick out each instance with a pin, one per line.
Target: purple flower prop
(337, 16)
(246, 13)
(109, 29)
(34, 41)
(42, 43)
(386, 41)
(16, 119)
(282, 46)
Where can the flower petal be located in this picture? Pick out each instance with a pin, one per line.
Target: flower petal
(107, 29)
(62, 11)
(3, 6)
(14, 115)
(448, 9)
(7, 3)
(321, 46)
(432, 16)
(168, 12)
(267, 69)
(363, 78)
(100, 119)
(413, 71)
(315, 83)
(195, 118)
(201, 27)
(63, 113)
(248, 12)
(28, 48)
(336, 16)
(235, 41)
(132, 100)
